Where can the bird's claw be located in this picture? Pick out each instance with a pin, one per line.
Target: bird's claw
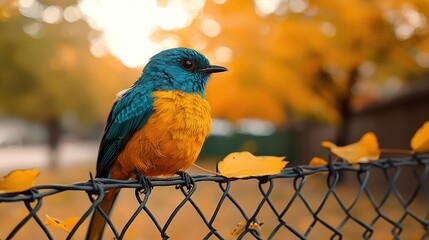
(144, 181)
(189, 181)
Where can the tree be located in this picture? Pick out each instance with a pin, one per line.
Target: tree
(47, 72)
(317, 60)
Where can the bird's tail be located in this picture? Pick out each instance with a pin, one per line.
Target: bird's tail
(98, 222)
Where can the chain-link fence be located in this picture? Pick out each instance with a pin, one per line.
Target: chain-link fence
(384, 199)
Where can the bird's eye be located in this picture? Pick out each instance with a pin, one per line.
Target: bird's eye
(187, 64)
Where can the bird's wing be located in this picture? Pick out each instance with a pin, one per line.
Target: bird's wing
(129, 113)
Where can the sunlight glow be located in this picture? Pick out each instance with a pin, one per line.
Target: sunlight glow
(25, 3)
(210, 27)
(72, 14)
(328, 29)
(30, 9)
(52, 14)
(279, 7)
(33, 29)
(266, 7)
(98, 48)
(297, 6)
(224, 54)
(219, 1)
(422, 59)
(406, 21)
(127, 28)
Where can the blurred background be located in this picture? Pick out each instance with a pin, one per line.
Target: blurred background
(300, 72)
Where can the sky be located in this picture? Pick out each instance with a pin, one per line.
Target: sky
(127, 28)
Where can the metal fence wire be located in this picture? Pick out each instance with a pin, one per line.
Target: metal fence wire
(384, 199)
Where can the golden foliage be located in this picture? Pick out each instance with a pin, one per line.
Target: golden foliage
(305, 63)
(66, 225)
(241, 227)
(224, 102)
(18, 180)
(245, 164)
(317, 161)
(420, 141)
(365, 150)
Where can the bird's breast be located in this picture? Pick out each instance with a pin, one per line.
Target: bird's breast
(172, 138)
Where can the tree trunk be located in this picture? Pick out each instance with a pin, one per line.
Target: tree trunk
(53, 126)
(344, 109)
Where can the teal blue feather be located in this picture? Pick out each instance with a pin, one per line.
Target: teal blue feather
(174, 77)
(129, 113)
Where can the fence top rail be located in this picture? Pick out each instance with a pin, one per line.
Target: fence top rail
(40, 191)
(411, 216)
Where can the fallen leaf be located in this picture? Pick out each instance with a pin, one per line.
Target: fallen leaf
(365, 150)
(317, 161)
(66, 225)
(241, 227)
(327, 144)
(18, 180)
(420, 141)
(245, 164)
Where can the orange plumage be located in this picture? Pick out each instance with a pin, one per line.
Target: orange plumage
(171, 139)
(169, 142)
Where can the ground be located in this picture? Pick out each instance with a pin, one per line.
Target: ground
(188, 225)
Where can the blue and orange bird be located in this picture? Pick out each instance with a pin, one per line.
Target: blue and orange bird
(156, 127)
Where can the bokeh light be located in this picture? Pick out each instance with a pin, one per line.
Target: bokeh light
(224, 54)
(72, 14)
(127, 28)
(210, 27)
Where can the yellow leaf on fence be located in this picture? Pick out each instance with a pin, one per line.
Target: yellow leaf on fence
(420, 140)
(18, 180)
(327, 144)
(241, 227)
(365, 150)
(317, 161)
(66, 225)
(245, 164)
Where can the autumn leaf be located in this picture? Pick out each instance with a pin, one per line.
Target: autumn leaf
(420, 141)
(245, 164)
(18, 180)
(241, 227)
(66, 225)
(317, 161)
(365, 150)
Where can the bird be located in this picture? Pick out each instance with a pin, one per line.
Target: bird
(156, 127)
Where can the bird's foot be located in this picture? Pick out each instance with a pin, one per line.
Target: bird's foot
(144, 181)
(189, 181)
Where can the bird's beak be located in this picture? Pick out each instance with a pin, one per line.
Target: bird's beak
(213, 69)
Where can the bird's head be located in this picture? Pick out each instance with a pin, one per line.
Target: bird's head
(178, 69)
